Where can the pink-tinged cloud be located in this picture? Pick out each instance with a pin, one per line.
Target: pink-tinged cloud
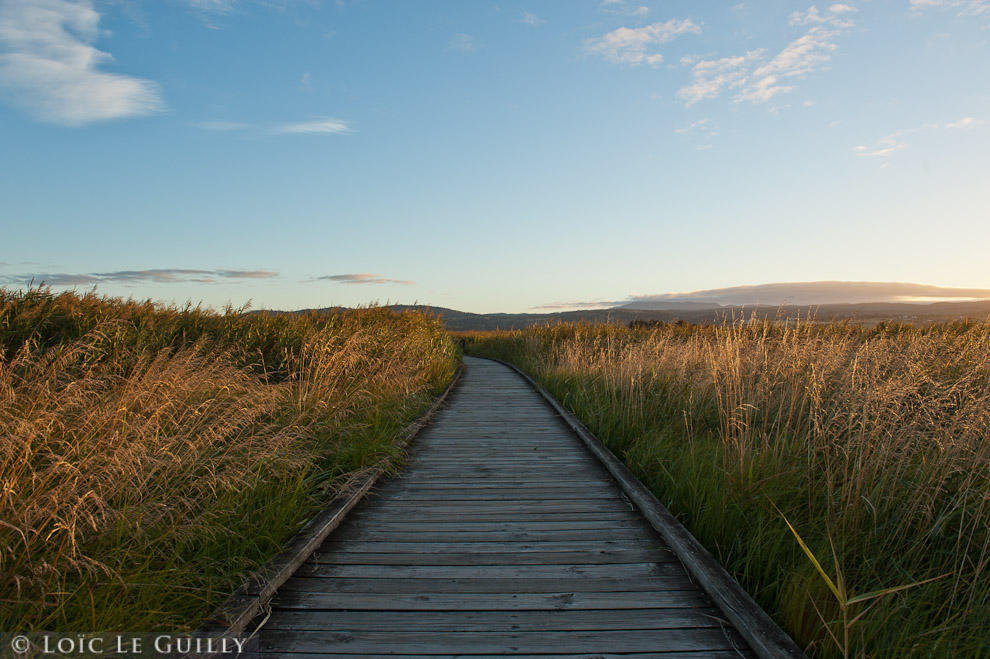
(156, 276)
(639, 45)
(364, 278)
(820, 292)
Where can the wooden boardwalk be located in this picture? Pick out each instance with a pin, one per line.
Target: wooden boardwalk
(503, 536)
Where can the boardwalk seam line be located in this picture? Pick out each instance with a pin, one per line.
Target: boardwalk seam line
(765, 637)
(232, 617)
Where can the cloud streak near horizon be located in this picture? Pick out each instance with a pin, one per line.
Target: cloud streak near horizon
(793, 293)
(325, 126)
(363, 278)
(156, 276)
(821, 292)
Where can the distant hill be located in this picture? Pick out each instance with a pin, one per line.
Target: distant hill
(871, 313)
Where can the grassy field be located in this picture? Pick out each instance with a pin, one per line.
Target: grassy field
(874, 444)
(152, 456)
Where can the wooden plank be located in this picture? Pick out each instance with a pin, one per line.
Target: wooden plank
(399, 524)
(350, 642)
(433, 535)
(514, 439)
(535, 464)
(661, 599)
(468, 515)
(441, 570)
(462, 470)
(452, 558)
(505, 474)
(499, 494)
(380, 547)
(500, 459)
(707, 654)
(493, 483)
(506, 494)
(527, 505)
(676, 580)
(499, 621)
(506, 500)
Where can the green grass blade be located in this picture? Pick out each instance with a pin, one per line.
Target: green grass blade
(811, 556)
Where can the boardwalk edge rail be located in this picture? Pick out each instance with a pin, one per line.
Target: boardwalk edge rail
(233, 616)
(765, 637)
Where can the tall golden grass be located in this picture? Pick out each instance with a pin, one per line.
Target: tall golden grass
(876, 441)
(150, 457)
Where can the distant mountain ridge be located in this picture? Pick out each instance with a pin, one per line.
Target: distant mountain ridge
(668, 309)
(459, 321)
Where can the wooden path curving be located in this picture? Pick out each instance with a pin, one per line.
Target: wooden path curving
(503, 536)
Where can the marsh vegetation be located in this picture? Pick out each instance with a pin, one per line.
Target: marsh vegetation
(152, 456)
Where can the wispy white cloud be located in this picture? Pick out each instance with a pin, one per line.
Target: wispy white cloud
(364, 278)
(623, 7)
(831, 16)
(324, 126)
(882, 147)
(966, 123)
(962, 7)
(894, 142)
(801, 57)
(702, 126)
(710, 77)
(215, 6)
(797, 59)
(50, 68)
(639, 45)
(463, 42)
(529, 18)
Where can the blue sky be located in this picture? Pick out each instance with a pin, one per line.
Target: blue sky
(490, 157)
